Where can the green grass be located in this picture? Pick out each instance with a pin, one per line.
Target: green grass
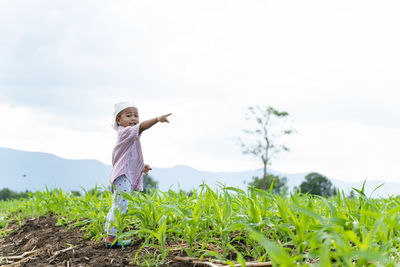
(232, 224)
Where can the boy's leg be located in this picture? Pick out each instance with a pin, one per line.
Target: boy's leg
(119, 203)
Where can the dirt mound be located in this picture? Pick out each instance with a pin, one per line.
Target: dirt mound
(38, 242)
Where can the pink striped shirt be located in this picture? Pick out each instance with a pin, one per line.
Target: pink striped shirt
(127, 157)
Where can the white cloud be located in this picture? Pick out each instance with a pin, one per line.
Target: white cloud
(333, 66)
(23, 128)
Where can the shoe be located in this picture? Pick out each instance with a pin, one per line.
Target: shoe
(119, 244)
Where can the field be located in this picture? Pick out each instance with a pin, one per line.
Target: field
(228, 226)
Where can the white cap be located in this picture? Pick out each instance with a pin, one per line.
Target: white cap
(118, 108)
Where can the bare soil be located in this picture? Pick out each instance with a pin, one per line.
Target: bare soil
(38, 242)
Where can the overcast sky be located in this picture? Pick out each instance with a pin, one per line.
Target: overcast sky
(333, 65)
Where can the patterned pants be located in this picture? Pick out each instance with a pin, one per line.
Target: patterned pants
(119, 203)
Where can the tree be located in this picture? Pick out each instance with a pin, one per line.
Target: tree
(279, 186)
(76, 193)
(317, 184)
(352, 194)
(96, 191)
(265, 140)
(149, 183)
(6, 194)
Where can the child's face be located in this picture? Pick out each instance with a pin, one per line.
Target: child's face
(128, 117)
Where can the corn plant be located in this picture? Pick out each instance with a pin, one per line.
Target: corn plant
(233, 224)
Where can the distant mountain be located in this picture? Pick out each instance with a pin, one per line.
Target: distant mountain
(184, 177)
(22, 170)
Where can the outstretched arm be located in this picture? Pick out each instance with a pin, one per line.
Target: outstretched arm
(144, 125)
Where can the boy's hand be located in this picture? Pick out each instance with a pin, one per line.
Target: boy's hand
(164, 118)
(146, 169)
(144, 125)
